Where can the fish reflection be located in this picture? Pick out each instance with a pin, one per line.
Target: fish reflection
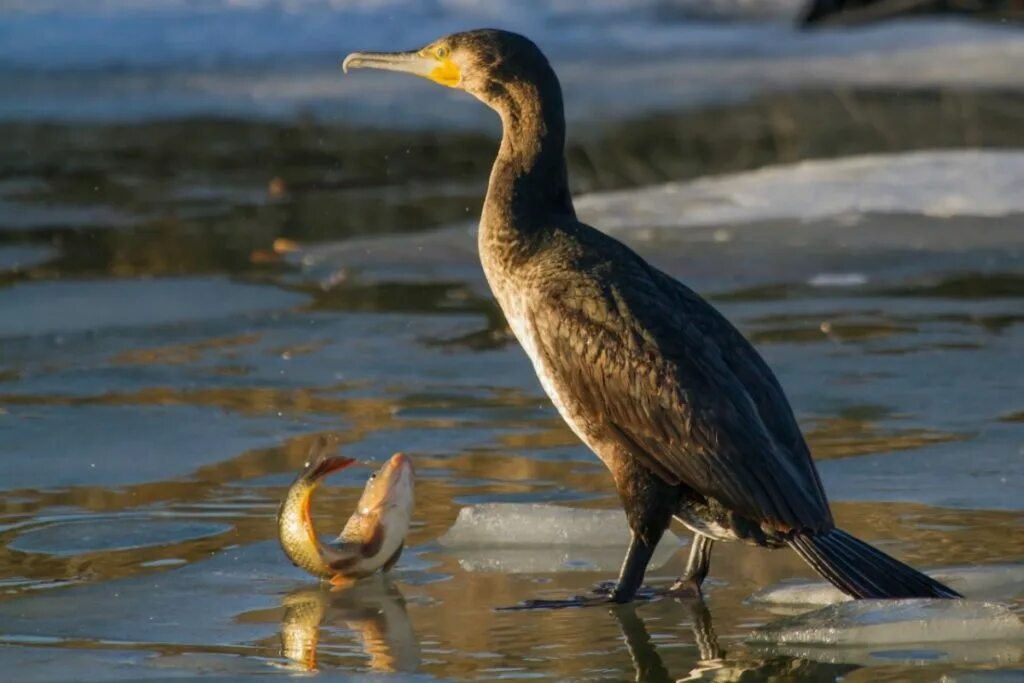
(373, 610)
(712, 664)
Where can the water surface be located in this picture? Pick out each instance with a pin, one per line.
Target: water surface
(186, 304)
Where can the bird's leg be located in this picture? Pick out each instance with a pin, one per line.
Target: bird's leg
(625, 589)
(634, 566)
(688, 585)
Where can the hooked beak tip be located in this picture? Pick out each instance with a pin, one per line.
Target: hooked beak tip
(363, 60)
(407, 62)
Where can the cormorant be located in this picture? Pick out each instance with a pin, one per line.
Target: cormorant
(683, 411)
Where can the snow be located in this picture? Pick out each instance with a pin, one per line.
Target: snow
(938, 183)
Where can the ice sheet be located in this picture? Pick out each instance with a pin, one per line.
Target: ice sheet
(51, 447)
(998, 652)
(990, 461)
(993, 582)
(555, 559)
(895, 622)
(19, 258)
(932, 183)
(77, 306)
(526, 525)
(535, 538)
(93, 535)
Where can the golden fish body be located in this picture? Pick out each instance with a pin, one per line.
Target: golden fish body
(375, 534)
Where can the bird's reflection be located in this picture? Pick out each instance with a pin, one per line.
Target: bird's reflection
(646, 660)
(373, 609)
(712, 663)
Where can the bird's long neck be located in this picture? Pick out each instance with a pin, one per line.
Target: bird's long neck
(529, 185)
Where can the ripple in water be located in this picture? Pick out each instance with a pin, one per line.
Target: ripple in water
(90, 536)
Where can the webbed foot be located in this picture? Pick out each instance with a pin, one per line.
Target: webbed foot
(602, 594)
(575, 601)
(607, 588)
(684, 589)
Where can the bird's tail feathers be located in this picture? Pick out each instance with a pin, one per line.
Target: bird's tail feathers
(863, 571)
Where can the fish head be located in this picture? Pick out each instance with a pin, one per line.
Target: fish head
(389, 491)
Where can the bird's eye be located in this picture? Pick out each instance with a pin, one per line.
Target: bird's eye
(442, 52)
(373, 476)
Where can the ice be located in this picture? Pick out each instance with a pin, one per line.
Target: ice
(991, 461)
(512, 525)
(97, 535)
(206, 597)
(993, 582)
(838, 280)
(895, 622)
(124, 58)
(20, 258)
(800, 593)
(50, 447)
(932, 183)
(554, 559)
(58, 307)
(538, 538)
(887, 632)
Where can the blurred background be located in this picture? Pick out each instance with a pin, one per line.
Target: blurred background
(214, 247)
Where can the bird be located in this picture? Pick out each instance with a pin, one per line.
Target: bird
(686, 415)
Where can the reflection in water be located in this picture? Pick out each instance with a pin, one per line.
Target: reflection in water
(712, 663)
(644, 654)
(373, 610)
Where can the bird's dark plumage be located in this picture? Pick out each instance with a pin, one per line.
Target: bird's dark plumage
(688, 417)
(656, 370)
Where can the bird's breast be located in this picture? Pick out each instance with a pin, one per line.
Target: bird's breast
(517, 312)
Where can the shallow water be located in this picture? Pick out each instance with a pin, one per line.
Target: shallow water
(166, 359)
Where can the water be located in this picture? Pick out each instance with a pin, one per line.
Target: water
(125, 59)
(187, 302)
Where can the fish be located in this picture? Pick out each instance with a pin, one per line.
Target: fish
(374, 536)
(373, 611)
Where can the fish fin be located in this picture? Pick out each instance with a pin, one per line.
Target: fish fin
(338, 581)
(393, 560)
(372, 545)
(323, 465)
(343, 556)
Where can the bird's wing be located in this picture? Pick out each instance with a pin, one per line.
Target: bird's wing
(750, 369)
(647, 371)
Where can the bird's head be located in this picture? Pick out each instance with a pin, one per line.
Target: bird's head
(483, 62)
